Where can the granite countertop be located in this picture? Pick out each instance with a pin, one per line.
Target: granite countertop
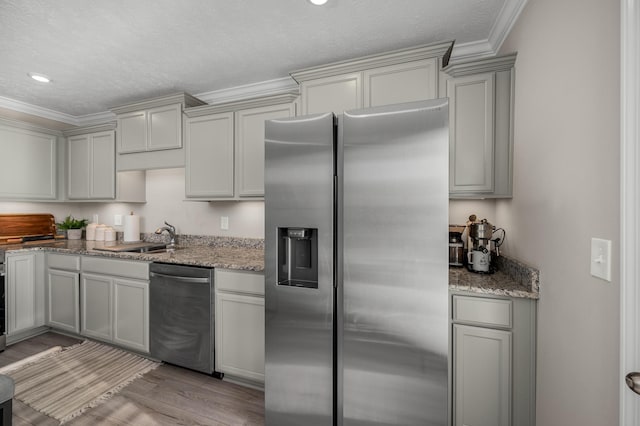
(512, 278)
(218, 256)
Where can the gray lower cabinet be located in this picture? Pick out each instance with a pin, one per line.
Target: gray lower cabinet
(493, 360)
(24, 293)
(115, 308)
(239, 324)
(63, 292)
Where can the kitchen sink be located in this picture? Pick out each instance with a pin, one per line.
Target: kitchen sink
(142, 247)
(161, 250)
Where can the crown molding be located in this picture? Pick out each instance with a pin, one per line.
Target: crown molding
(470, 67)
(248, 91)
(185, 99)
(26, 108)
(501, 28)
(393, 57)
(105, 127)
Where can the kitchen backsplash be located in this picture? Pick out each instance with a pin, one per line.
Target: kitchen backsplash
(207, 240)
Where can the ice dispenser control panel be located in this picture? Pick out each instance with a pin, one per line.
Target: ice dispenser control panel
(298, 257)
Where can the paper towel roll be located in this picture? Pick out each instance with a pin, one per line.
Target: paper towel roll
(131, 228)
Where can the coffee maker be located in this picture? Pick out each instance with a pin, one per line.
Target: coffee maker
(481, 245)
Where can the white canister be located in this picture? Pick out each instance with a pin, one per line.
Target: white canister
(109, 234)
(91, 231)
(100, 232)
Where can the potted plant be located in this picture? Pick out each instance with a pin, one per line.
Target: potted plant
(73, 227)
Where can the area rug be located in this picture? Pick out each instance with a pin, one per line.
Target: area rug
(63, 384)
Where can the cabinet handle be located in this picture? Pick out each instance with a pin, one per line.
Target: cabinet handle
(633, 381)
(180, 279)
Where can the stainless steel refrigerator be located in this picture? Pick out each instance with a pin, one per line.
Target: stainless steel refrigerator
(356, 267)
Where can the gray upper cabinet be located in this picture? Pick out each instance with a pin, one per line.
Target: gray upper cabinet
(149, 133)
(92, 166)
(225, 147)
(249, 132)
(29, 162)
(132, 132)
(394, 77)
(480, 127)
(408, 82)
(209, 149)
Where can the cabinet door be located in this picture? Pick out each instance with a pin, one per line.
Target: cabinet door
(103, 166)
(29, 164)
(63, 296)
(209, 156)
(394, 84)
(164, 127)
(131, 314)
(482, 376)
(95, 306)
(22, 312)
(249, 126)
(240, 335)
(79, 157)
(471, 133)
(132, 132)
(336, 93)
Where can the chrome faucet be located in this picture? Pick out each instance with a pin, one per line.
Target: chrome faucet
(171, 230)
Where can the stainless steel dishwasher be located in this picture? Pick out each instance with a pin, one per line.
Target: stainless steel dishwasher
(181, 316)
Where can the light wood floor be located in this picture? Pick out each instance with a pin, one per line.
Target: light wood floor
(167, 395)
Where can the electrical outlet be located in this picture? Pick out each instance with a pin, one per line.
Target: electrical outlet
(601, 258)
(117, 220)
(224, 223)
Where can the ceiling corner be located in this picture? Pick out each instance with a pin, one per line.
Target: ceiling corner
(503, 24)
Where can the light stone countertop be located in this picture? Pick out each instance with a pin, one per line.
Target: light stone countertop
(512, 279)
(224, 257)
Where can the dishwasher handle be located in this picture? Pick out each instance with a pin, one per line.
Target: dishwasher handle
(179, 278)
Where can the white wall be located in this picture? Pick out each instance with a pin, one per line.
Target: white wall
(566, 190)
(460, 210)
(166, 201)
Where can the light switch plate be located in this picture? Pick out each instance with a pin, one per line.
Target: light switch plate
(224, 223)
(117, 220)
(601, 258)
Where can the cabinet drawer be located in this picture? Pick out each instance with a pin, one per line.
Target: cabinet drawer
(121, 268)
(482, 311)
(239, 281)
(63, 261)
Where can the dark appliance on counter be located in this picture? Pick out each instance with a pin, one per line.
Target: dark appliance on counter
(356, 295)
(456, 246)
(181, 329)
(482, 245)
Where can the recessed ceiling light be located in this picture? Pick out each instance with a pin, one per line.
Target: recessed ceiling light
(39, 77)
(318, 2)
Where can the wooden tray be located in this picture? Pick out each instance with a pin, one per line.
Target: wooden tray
(15, 226)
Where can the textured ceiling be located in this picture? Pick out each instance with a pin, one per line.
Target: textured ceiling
(106, 53)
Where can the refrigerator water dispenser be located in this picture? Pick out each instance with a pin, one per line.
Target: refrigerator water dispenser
(298, 257)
